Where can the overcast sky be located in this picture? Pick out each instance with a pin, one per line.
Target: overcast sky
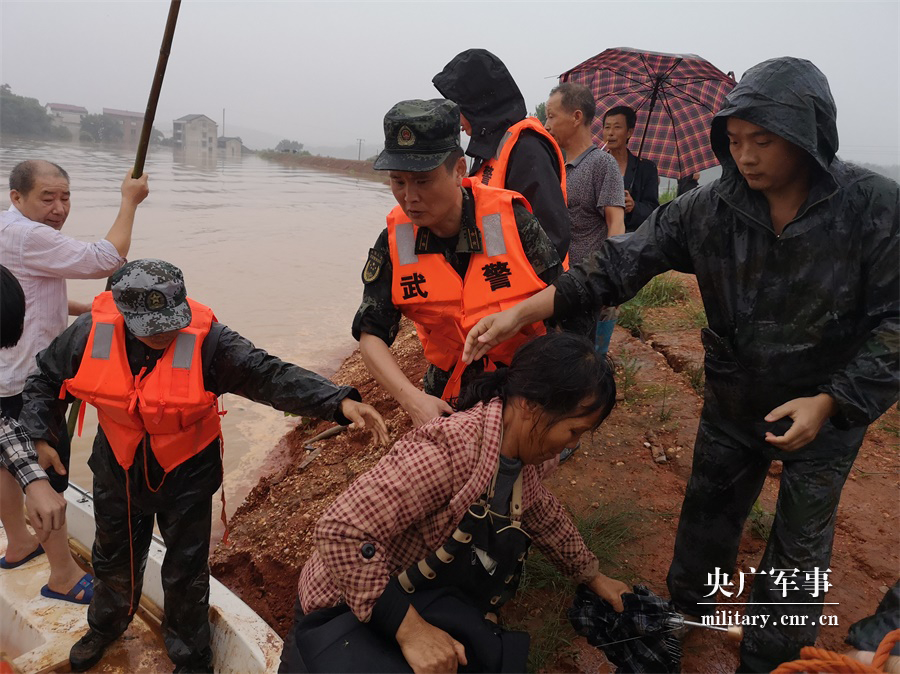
(324, 73)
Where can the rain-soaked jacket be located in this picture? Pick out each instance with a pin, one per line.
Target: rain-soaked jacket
(488, 97)
(812, 310)
(231, 364)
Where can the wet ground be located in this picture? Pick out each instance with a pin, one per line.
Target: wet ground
(619, 469)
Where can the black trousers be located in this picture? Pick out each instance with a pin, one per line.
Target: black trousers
(729, 468)
(185, 529)
(334, 640)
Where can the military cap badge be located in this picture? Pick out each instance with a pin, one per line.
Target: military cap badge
(155, 300)
(405, 137)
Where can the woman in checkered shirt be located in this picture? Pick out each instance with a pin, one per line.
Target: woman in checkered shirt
(419, 551)
(46, 508)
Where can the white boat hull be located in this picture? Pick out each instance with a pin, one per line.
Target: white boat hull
(37, 632)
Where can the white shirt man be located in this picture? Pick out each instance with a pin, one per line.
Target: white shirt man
(41, 258)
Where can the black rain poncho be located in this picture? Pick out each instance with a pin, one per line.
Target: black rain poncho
(488, 96)
(814, 310)
(180, 502)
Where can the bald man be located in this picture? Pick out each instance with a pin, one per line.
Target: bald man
(34, 249)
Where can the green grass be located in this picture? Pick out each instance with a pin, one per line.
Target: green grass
(696, 378)
(603, 532)
(627, 370)
(665, 409)
(889, 422)
(695, 315)
(631, 317)
(668, 194)
(662, 291)
(760, 521)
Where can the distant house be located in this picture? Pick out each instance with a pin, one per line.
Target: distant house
(195, 132)
(131, 123)
(230, 146)
(67, 116)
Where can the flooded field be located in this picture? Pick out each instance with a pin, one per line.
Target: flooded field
(275, 251)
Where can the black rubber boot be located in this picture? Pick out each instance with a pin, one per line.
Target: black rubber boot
(88, 651)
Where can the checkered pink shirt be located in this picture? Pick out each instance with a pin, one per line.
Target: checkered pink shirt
(410, 503)
(42, 258)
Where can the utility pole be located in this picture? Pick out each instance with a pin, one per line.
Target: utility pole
(223, 122)
(359, 142)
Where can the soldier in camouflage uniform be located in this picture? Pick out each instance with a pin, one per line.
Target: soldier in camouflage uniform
(796, 256)
(435, 156)
(151, 296)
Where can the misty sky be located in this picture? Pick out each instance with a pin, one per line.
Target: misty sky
(324, 73)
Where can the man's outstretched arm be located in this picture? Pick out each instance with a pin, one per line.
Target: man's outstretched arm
(381, 363)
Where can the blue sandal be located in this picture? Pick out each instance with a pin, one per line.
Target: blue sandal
(39, 550)
(86, 584)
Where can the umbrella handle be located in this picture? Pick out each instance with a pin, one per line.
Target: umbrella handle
(734, 632)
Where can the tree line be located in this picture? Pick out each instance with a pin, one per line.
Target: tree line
(26, 118)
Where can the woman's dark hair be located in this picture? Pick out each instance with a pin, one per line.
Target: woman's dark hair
(12, 309)
(559, 372)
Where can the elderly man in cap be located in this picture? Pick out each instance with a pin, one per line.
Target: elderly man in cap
(153, 362)
(454, 250)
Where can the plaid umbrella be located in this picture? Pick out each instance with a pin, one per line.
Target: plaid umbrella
(675, 96)
(639, 639)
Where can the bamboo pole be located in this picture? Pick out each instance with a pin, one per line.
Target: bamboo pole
(144, 141)
(152, 102)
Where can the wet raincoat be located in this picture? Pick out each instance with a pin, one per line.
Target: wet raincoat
(487, 95)
(814, 310)
(180, 500)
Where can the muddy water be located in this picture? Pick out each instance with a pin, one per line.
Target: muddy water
(275, 251)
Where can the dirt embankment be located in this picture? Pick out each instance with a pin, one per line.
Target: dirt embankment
(350, 167)
(637, 463)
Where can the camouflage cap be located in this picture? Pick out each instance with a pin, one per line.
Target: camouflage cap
(151, 296)
(419, 135)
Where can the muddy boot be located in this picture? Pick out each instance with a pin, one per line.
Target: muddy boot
(203, 667)
(88, 650)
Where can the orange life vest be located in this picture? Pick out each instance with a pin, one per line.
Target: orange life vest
(492, 172)
(444, 307)
(170, 404)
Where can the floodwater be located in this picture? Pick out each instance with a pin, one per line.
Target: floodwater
(275, 251)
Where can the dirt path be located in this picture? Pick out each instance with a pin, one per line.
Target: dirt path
(635, 465)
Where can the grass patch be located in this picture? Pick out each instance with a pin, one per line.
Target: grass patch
(760, 521)
(890, 422)
(695, 315)
(631, 317)
(603, 533)
(662, 291)
(696, 375)
(627, 370)
(668, 194)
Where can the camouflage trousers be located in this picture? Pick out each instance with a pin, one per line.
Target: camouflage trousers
(730, 465)
(185, 529)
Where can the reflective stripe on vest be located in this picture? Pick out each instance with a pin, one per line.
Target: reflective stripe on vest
(444, 307)
(184, 351)
(103, 335)
(406, 243)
